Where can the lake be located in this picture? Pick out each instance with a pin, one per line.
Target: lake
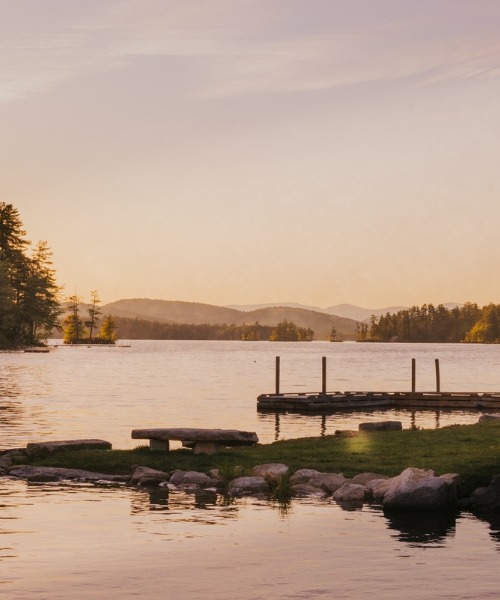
(62, 541)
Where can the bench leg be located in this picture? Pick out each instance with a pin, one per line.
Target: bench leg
(205, 448)
(159, 445)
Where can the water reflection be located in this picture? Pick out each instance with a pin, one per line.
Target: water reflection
(286, 421)
(422, 528)
(493, 520)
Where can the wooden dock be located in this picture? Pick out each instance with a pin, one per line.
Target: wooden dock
(330, 402)
(324, 403)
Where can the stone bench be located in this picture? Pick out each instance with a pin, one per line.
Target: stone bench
(204, 441)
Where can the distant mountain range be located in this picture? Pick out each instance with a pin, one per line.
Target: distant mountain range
(170, 311)
(348, 311)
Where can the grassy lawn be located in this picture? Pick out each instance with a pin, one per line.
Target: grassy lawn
(473, 451)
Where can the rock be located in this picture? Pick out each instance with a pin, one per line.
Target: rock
(304, 490)
(303, 476)
(381, 426)
(45, 448)
(419, 489)
(485, 498)
(272, 473)
(248, 485)
(27, 471)
(5, 462)
(489, 417)
(348, 433)
(329, 482)
(187, 478)
(350, 492)
(145, 473)
(365, 478)
(378, 488)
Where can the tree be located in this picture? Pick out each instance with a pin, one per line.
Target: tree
(73, 326)
(94, 313)
(108, 330)
(29, 296)
(287, 331)
(334, 336)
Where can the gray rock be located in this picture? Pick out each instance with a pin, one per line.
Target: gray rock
(489, 417)
(272, 472)
(419, 489)
(27, 471)
(248, 485)
(378, 488)
(304, 490)
(350, 492)
(145, 473)
(36, 449)
(303, 476)
(329, 482)
(381, 426)
(365, 478)
(347, 433)
(187, 478)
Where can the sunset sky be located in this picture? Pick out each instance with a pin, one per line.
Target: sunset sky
(250, 151)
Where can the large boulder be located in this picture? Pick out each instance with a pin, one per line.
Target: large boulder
(191, 478)
(378, 488)
(272, 472)
(350, 492)
(485, 498)
(419, 489)
(142, 475)
(248, 486)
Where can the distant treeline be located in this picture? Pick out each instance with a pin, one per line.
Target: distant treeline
(428, 323)
(142, 329)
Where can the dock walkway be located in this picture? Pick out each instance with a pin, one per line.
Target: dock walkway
(350, 400)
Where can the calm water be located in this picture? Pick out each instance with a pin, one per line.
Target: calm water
(75, 541)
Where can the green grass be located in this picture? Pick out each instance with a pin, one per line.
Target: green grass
(473, 451)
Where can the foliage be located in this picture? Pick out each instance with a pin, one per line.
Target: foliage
(429, 323)
(73, 326)
(108, 330)
(287, 331)
(29, 295)
(142, 329)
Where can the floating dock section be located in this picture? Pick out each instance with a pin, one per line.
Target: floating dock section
(330, 402)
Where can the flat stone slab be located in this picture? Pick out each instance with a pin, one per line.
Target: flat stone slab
(32, 473)
(36, 448)
(228, 437)
(381, 426)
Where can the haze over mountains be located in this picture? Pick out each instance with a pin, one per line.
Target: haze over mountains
(344, 317)
(170, 311)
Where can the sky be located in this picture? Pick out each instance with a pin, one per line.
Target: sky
(251, 151)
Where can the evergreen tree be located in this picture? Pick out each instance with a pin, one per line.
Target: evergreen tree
(94, 313)
(29, 296)
(73, 325)
(108, 330)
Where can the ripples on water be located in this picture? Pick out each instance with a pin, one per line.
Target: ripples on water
(75, 541)
(106, 392)
(81, 542)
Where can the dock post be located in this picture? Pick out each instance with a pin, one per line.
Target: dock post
(323, 375)
(413, 375)
(277, 375)
(438, 376)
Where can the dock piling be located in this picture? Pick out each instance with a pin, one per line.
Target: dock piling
(323, 375)
(438, 376)
(413, 375)
(277, 375)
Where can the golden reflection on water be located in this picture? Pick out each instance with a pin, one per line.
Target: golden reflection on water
(64, 541)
